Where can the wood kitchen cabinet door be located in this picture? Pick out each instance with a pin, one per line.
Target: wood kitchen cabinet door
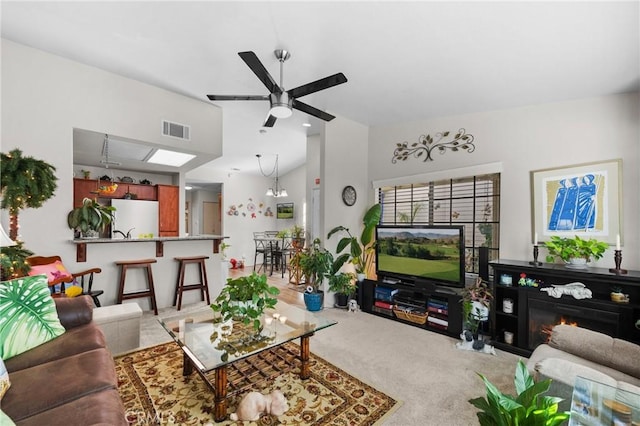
(83, 188)
(168, 202)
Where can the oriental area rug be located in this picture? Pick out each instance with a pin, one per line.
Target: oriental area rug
(154, 391)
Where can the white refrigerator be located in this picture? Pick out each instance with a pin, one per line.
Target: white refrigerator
(139, 218)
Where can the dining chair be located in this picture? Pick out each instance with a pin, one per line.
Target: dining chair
(57, 273)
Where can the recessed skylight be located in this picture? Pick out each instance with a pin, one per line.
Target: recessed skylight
(170, 158)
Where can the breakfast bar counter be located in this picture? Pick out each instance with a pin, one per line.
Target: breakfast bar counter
(104, 253)
(81, 244)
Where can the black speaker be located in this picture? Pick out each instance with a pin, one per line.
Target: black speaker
(483, 263)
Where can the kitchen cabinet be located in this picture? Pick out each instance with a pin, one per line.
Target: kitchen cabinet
(87, 188)
(168, 204)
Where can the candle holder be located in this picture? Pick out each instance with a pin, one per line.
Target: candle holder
(617, 257)
(535, 256)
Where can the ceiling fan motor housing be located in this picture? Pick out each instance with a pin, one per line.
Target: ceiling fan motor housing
(280, 105)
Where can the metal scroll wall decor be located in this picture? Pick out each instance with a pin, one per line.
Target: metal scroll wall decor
(426, 144)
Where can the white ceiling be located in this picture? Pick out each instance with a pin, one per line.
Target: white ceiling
(404, 61)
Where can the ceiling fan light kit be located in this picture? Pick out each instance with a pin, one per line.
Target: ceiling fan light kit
(280, 105)
(282, 102)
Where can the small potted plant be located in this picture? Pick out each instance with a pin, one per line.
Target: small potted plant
(618, 296)
(223, 250)
(344, 286)
(575, 252)
(476, 300)
(359, 252)
(245, 298)
(90, 219)
(297, 237)
(315, 263)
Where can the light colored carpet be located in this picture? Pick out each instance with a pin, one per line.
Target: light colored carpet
(424, 370)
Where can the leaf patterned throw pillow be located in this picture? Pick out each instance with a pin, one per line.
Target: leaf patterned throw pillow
(28, 316)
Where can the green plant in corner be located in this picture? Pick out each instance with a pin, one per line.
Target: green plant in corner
(567, 248)
(528, 408)
(245, 299)
(360, 252)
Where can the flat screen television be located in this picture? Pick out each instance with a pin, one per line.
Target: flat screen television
(421, 252)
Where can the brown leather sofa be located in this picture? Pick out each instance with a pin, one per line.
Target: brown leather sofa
(70, 380)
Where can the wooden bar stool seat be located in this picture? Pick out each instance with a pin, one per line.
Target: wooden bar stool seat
(203, 285)
(148, 292)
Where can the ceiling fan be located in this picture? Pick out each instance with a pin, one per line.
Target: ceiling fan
(283, 101)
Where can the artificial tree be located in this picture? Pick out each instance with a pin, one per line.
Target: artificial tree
(25, 182)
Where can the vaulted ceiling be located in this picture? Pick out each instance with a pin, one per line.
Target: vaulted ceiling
(404, 61)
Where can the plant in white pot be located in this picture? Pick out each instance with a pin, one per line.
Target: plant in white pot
(359, 252)
(575, 252)
(476, 300)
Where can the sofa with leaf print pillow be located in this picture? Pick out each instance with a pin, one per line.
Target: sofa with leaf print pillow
(60, 371)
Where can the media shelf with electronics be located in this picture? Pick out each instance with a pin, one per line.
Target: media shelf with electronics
(525, 308)
(424, 305)
(420, 272)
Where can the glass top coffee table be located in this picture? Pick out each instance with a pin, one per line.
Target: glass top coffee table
(209, 346)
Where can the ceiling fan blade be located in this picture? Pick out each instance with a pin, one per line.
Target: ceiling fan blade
(323, 83)
(260, 71)
(270, 121)
(300, 106)
(238, 98)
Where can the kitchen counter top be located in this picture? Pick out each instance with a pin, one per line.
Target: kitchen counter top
(81, 244)
(142, 240)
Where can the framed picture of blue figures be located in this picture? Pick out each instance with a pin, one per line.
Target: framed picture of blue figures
(584, 199)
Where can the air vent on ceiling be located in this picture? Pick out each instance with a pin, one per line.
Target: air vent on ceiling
(176, 130)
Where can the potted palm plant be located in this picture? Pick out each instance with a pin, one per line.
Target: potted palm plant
(245, 299)
(90, 218)
(315, 263)
(575, 252)
(359, 252)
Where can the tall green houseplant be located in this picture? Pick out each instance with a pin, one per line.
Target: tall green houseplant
(25, 183)
(359, 252)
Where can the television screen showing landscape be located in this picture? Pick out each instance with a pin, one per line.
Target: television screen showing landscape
(431, 253)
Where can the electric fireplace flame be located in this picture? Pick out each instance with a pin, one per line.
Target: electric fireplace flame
(547, 329)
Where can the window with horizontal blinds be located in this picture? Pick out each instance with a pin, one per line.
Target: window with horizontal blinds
(470, 201)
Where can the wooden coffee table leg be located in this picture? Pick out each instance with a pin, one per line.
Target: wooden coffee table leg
(187, 367)
(305, 372)
(220, 395)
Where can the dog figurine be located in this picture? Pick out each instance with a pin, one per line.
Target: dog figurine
(353, 306)
(254, 404)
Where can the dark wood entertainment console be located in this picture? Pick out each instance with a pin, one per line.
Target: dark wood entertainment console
(441, 302)
(533, 309)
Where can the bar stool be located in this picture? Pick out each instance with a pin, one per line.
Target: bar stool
(203, 285)
(149, 292)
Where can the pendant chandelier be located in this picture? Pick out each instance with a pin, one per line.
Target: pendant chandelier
(275, 191)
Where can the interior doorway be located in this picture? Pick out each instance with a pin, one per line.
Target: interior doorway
(212, 217)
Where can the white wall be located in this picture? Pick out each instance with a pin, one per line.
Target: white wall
(525, 139)
(44, 97)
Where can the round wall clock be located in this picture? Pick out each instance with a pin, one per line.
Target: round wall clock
(349, 195)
